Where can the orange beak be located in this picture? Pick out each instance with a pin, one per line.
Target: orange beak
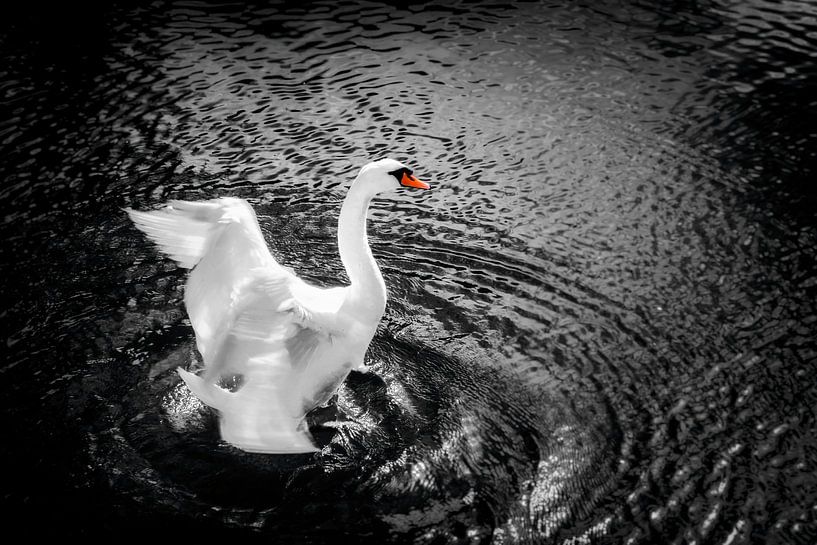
(411, 181)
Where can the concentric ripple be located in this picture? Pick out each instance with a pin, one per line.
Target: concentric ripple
(601, 320)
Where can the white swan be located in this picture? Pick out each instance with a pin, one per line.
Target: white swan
(292, 343)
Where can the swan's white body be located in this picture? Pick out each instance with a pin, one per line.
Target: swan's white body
(292, 343)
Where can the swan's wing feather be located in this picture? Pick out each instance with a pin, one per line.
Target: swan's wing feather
(265, 340)
(235, 249)
(302, 346)
(255, 418)
(266, 318)
(223, 243)
(251, 317)
(183, 239)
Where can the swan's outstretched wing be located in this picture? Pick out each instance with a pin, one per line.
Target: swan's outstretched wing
(280, 358)
(221, 241)
(251, 317)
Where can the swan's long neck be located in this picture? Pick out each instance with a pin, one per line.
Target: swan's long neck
(368, 289)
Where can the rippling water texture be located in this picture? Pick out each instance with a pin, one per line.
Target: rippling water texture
(601, 326)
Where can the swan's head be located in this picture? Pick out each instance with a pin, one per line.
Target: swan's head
(387, 175)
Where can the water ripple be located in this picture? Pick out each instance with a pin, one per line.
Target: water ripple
(601, 321)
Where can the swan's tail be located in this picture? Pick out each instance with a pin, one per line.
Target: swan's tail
(182, 230)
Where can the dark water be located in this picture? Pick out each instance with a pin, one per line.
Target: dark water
(601, 326)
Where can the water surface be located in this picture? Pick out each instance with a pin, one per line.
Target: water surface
(601, 320)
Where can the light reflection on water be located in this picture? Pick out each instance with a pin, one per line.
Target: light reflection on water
(601, 320)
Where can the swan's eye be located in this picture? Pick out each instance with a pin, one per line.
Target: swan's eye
(400, 172)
